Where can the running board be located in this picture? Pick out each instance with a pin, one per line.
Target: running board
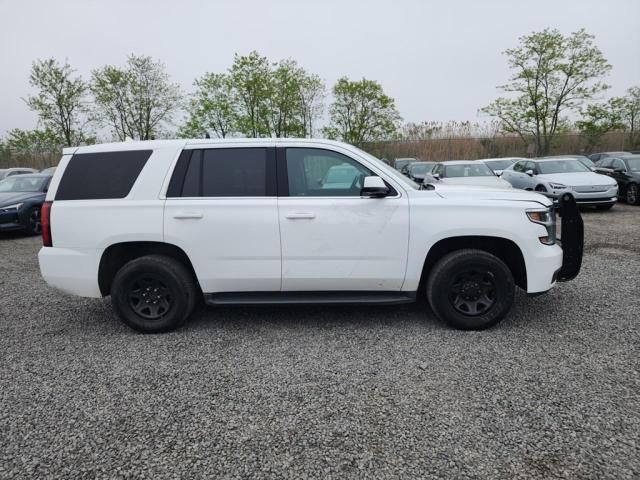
(305, 298)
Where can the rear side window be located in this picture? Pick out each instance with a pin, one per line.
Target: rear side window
(105, 175)
(225, 172)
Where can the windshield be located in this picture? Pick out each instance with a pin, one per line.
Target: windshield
(634, 164)
(468, 170)
(586, 161)
(389, 170)
(499, 164)
(421, 169)
(22, 183)
(561, 166)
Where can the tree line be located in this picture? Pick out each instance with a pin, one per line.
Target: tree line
(557, 86)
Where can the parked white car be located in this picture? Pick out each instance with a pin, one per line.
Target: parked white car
(159, 224)
(9, 172)
(466, 172)
(557, 176)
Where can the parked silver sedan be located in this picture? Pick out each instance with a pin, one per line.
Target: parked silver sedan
(555, 176)
(465, 172)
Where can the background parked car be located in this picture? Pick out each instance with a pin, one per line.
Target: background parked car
(497, 165)
(401, 163)
(21, 197)
(598, 156)
(466, 172)
(626, 171)
(8, 172)
(555, 176)
(49, 171)
(416, 171)
(586, 161)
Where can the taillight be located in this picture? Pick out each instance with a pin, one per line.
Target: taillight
(45, 222)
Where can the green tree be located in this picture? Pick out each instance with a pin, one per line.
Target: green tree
(212, 108)
(29, 142)
(137, 101)
(361, 112)
(553, 74)
(250, 78)
(600, 118)
(60, 101)
(311, 90)
(286, 118)
(630, 115)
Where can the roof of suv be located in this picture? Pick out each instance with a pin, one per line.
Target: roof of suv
(179, 143)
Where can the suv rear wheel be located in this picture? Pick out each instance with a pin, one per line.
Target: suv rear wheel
(153, 294)
(470, 289)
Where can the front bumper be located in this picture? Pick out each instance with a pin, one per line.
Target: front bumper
(10, 221)
(587, 199)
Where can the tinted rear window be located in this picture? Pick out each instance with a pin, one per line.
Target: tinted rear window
(225, 172)
(93, 176)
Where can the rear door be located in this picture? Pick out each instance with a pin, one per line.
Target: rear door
(221, 209)
(332, 237)
(516, 176)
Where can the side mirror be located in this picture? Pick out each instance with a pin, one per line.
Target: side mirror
(374, 187)
(498, 173)
(436, 176)
(529, 172)
(418, 179)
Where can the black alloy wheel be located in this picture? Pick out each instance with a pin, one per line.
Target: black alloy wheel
(149, 297)
(632, 195)
(473, 292)
(34, 224)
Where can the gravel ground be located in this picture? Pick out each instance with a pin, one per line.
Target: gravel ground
(384, 392)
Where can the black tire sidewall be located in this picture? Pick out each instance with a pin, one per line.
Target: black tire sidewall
(637, 190)
(27, 221)
(453, 265)
(175, 280)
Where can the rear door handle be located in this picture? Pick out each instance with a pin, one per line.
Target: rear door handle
(300, 215)
(188, 215)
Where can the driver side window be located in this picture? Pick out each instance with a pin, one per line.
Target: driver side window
(315, 172)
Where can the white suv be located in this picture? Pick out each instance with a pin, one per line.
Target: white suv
(159, 225)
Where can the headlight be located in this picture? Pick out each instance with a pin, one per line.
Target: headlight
(557, 186)
(11, 207)
(546, 218)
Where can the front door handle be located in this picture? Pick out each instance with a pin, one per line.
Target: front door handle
(188, 215)
(300, 215)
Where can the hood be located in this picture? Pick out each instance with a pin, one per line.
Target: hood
(11, 198)
(576, 179)
(484, 193)
(492, 181)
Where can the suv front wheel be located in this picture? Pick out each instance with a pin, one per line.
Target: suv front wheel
(153, 294)
(470, 289)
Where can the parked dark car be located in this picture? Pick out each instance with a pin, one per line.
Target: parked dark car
(417, 170)
(599, 156)
(626, 171)
(583, 159)
(21, 197)
(401, 164)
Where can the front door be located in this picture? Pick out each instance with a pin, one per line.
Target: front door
(332, 237)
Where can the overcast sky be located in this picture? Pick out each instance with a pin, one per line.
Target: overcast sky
(440, 60)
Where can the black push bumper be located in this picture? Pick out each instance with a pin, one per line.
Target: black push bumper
(572, 238)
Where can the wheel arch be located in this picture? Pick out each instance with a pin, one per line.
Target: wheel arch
(503, 248)
(118, 254)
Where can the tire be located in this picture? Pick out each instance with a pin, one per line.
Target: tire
(33, 222)
(153, 294)
(487, 282)
(632, 194)
(541, 188)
